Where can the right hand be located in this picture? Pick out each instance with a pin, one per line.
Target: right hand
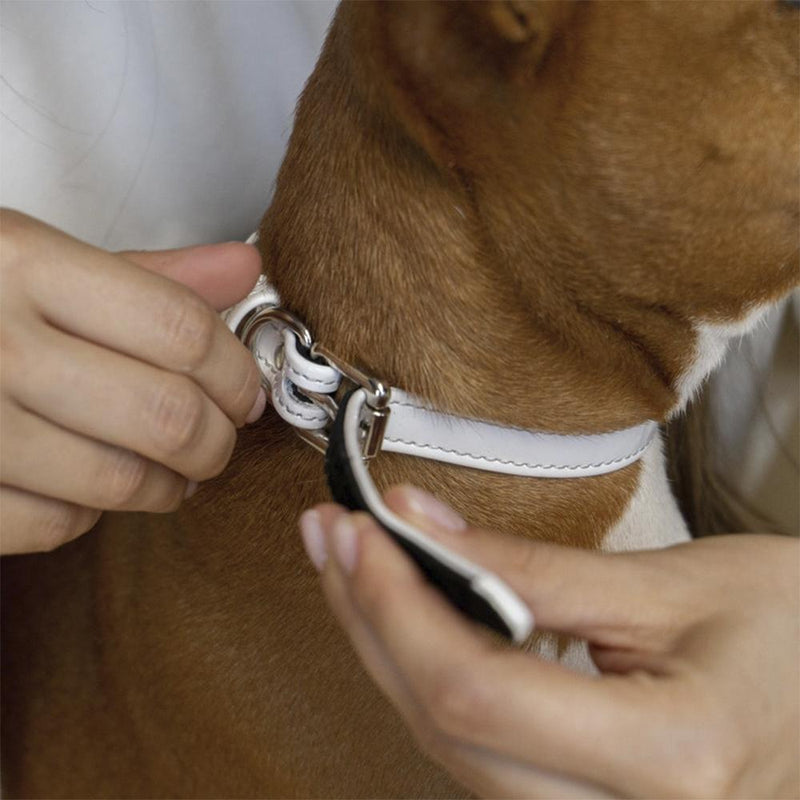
(696, 646)
(120, 388)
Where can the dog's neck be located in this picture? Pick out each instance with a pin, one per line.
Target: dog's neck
(401, 268)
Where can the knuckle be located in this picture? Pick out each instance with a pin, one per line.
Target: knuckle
(699, 781)
(246, 395)
(456, 701)
(23, 367)
(221, 456)
(123, 477)
(190, 326)
(716, 769)
(177, 413)
(374, 594)
(14, 231)
(713, 764)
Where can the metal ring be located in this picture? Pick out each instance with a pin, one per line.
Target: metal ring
(261, 315)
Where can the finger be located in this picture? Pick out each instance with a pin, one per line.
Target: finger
(583, 593)
(484, 771)
(82, 471)
(112, 302)
(487, 696)
(121, 401)
(313, 524)
(490, 775)
(369, 648)
(222, 274)
(32, 523)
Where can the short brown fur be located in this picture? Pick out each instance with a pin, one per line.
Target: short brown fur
(516, 210)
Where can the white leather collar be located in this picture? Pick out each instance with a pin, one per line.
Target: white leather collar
(302, 389)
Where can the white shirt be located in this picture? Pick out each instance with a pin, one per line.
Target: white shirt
(150, 124)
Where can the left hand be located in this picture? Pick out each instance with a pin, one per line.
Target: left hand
(697, 648)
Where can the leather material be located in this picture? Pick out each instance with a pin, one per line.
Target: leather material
(477, 593)
(306, 374)
(414, 428)
(283, 367)
(270, 351)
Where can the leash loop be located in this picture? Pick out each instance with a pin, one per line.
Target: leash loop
(306, 381)
(376, 410)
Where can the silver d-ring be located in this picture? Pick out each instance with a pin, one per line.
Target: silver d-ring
(252, 322)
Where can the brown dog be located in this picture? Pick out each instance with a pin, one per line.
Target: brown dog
(549, 215)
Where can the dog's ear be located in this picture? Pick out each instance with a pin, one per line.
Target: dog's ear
(449, 68)
(514, 20)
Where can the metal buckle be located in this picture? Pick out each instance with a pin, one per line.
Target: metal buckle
(378, 394)
(377, 405)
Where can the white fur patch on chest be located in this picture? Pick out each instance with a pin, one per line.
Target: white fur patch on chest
(652, 519)
(711, 345)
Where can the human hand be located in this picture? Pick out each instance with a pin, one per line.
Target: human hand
(120, 387)
(697, 647)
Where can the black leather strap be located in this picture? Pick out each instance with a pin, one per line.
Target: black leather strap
(455, 579)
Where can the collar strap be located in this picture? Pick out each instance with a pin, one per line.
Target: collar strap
(303, 381)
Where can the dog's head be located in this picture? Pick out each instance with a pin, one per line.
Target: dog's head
(658, 140)
(638, 162)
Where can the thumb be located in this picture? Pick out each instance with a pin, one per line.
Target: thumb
(222, 274)
(612, 600)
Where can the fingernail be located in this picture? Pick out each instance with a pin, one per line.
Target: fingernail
(313, 538)
(345, 542)
(425, 505)
(191, 488)
(258, 407)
